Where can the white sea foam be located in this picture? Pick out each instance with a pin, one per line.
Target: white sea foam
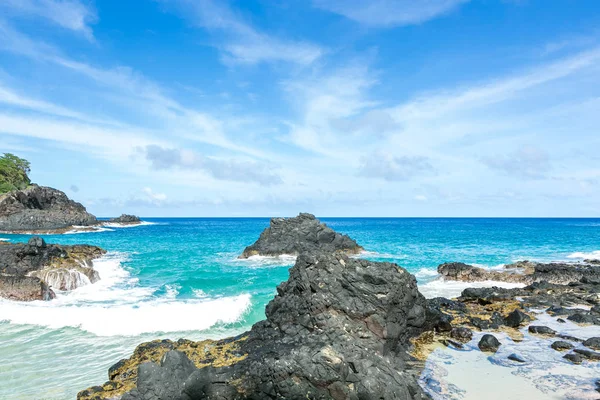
(594, 255)
(426, 273)
(267, 261)
(450, 289)
(199, 293)
(172, 291)
(471, 374)
(116, 305)
(4, 240)
(85, 229)
(119, 225)
(374, 254)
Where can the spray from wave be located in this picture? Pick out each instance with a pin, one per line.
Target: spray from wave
(117, 305)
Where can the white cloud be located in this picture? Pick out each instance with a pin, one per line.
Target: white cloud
(156, 198)
(394, 168)
(242, 43)
(69, 14)
(387, 13)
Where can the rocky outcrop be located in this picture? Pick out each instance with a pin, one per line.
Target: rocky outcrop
(30, 271)
(339, 328)
(525, 272)
(40, 208)
(300, 234)
(126, 219)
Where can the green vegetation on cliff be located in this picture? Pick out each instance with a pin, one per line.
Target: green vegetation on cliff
(14, 173)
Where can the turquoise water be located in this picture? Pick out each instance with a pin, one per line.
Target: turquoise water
(180, 278)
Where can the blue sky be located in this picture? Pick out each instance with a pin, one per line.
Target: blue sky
(336, 107)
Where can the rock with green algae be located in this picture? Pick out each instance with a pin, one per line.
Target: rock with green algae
(339, 328)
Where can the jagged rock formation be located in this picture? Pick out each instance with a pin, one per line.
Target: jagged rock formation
(525, 272)
(126, 219)
(30, 271)
(300, 234)
(39, 208)
(339, 328)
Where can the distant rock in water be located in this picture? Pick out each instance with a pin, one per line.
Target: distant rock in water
(30, 271)
(126, 219)
(339, 328)
(39, 208)
(303, 233)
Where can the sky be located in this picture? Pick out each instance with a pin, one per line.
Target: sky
(395, 108)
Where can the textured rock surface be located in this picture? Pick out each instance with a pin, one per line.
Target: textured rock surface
(339, 328)
(525, 272)
(30, 271)
(488, 343)
(126, 219)
(300, 234)
(40, 208)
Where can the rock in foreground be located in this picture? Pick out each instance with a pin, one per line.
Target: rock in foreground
(40, 208)
(30, 271)
(339, 328)
(300, 234)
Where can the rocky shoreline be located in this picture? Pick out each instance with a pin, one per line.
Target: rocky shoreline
(40, 210)
(347, 328)
(32, 271)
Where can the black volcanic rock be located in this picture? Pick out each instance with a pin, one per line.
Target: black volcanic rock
(525, 272)
(40, 208)
(339, 328)
(300, 234)
(29, 271)
(489, 343)
(126, 219)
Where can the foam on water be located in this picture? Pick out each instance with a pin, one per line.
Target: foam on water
(266, 261)
(471, 374)
(83, 229)
(116, 305)
(441, 288)
(119, 225)
(4, 240)
(594, 255)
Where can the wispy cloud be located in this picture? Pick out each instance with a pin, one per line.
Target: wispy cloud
(222, 169)
(239, 41)
(69, 14)
(527, 162)
(386, 13)
(385, 165)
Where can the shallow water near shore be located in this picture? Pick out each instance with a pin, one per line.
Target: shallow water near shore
(181, 278)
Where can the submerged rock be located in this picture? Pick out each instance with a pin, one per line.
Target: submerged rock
(516, 357)
(339, 328)
(40, 208)
(30, 271)
(303, 233)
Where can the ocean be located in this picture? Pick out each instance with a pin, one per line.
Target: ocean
(172, 278)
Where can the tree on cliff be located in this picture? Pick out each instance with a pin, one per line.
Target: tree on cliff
(14, 173)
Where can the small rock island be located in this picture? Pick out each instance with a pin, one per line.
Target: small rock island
(304, 233)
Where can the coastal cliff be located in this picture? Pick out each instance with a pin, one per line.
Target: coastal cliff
(300, 234)
(40, 208)
(339, 328)
(29, 271)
